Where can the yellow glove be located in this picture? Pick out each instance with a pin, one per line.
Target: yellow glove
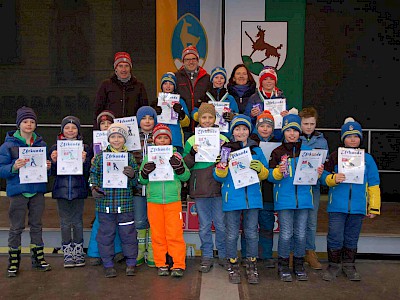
(278, 175)
(374, 200)
(331, 180)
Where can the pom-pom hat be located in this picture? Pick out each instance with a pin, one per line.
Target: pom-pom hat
(268, 72)
(349, 127)
(265, 118)
(292, 120)
(168, 77)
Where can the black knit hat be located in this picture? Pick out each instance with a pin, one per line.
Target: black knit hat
(73, 120)
(25, 113)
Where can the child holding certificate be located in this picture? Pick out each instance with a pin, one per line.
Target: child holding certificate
(164, 207)
(114, 205)
(292, 202)
(315, 140)
(348, 204)
(245, 200)
(104, 121)
(71, 192)
(206, 193)
(23, 197)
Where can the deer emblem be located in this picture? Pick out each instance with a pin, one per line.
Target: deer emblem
(261, 45)
(186, 37)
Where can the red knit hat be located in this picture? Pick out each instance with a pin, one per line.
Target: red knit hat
(265, 118)
(190, 50)
(268, 72)
(161, 129)
(122, 57)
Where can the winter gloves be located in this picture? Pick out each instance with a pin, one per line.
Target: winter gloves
(179, 109)
(177, 164)
(256, 165)
(228, 116)
(97, 192)
(129, 172)
(147, 169)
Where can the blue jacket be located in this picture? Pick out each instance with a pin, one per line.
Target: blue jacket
(350, 198)
(71, 187)
(8, 155)
(248, 197)
(286, 194)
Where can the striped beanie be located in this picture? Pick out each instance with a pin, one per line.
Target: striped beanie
(240, 120)
(120, 128)
(268, 72)
(190, 50)
(25, 113)
(161, 129)
(265, 118)
(217, 71)
(350, 127)
(105, 115)
(170, 77)
(292, 120)
(121, 57)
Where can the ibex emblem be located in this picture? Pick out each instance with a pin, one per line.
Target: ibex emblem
(186, 37)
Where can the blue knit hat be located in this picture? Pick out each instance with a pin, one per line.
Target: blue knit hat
(25, 113)
(349, 127)
(169, 76)
(240, 120)
(146, 111)
(292, 120)
(216, 71)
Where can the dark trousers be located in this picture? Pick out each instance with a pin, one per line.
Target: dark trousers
(19, 205)
(106, 235)
(71, 218)
(344, 230)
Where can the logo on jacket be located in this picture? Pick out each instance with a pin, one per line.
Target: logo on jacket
(263, 44)
(189, 31)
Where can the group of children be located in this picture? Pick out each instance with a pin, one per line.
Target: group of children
(143, 220)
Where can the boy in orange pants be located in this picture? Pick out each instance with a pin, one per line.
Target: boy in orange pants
(164, 208)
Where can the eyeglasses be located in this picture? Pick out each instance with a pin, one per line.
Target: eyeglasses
(190, 59)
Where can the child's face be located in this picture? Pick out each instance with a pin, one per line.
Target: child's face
(265, 130)
(308, 125)
(241, 133)
(162, 140)
(241, 77)
(268, 84)
(117, 141)
(27, 125)
(167, 87)
(218, 81)
(147, 123)
(352, 141)
(206, 120)
(291, 135)
(70, 131)
(104, 125)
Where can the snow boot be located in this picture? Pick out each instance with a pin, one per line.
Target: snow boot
(68, 250)
(234, 271)
(141, 236)
(79, 255)
(312, 259)
(333, 270)
(284, 270)
(251, 270)
(299, 270)
(206, 264)
(150, 256)
(348, 266)
(38, 262)
(14, 259)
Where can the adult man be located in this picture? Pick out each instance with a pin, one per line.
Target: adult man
(193, 81)
(122, 94)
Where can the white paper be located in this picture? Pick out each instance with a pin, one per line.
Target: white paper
(208, 143)
(268, 147)
(133, 141)
(351, 162)
(100, 140)
(239, 166)
(276, 106)
(160, 155)
(113, 167)
(220, 108)
(324, 153)
(69, 157)
(306, 169)
(35, 170)
(167, 101)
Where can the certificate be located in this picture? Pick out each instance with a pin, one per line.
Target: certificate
(239, 166)
(100, 141)
(113, 166)
(351, 162)
(160, 155)
(220, 109)
(69, 157)
(306, 169)
(276, 106)
(268, 147)
(35, 170)
(208, 143)
(167, 101)
(133, 141)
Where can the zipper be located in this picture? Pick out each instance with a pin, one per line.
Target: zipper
(350, 192)
(194, 182)
(247, 199)
(292, 175)
(123, 101)
(69, 187)
(226, 193)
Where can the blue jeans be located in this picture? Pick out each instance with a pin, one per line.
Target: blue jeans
(344, 230)
(210, 211)
(71, 218)
(250, 226)
(106, 236)
(292, 225)
(266, 221)
(140, 211)
(313, 219)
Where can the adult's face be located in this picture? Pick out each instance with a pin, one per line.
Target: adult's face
(241, 77)
(123, 70)
(190, 62)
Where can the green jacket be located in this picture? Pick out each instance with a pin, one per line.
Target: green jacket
(164, 192)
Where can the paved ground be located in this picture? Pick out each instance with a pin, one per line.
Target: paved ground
(380, 280)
